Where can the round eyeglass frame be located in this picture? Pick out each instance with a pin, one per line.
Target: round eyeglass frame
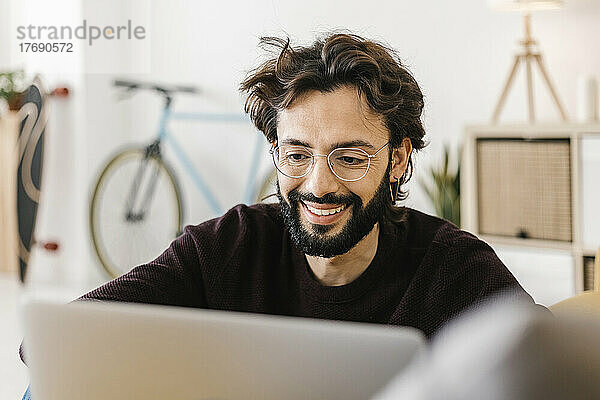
(274, 149)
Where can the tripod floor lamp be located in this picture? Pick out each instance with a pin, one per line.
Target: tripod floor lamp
(529, 55)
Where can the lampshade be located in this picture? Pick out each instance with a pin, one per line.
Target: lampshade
(525, 5)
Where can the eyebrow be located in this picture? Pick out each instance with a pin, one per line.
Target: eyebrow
(352, 143)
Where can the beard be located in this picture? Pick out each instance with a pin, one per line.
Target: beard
(316, 242)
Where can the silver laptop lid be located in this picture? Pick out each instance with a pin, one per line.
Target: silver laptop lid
(115, 351)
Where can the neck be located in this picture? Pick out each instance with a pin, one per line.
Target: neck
(345, 268)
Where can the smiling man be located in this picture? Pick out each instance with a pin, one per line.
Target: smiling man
(332, 153)
(343, 118)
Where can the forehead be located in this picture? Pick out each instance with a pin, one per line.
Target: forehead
(322, 120)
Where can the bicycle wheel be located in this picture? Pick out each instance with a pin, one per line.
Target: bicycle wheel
(135, 211)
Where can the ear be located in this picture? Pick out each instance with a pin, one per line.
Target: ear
(272, 144)
(400, 157)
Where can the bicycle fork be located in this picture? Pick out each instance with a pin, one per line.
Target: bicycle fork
(135, 197)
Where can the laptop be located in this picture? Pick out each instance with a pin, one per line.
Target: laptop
(107, 350)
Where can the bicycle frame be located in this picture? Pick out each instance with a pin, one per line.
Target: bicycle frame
(200, 183)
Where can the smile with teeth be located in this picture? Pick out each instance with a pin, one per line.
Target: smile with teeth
(328, 211)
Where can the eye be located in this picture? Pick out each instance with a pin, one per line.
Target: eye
(296, 157)
(350, 161)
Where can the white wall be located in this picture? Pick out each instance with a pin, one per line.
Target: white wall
(4, 34)
(460, 53)
(56, 220)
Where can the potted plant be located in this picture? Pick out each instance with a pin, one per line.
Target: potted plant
(12, 84)
(443, 188)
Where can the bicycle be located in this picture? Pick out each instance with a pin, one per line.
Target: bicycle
(136, 205)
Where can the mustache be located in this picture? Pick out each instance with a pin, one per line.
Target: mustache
(330, 198)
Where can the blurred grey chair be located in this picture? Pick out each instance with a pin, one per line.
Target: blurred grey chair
(506, 351)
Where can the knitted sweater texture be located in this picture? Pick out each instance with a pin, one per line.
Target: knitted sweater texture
(425, 271)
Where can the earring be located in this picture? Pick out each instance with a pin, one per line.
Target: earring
(393, 193)
(392, 185)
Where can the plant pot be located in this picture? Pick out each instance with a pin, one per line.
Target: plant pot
(15, 101)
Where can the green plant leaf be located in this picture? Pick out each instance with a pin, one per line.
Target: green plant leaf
(443, 187)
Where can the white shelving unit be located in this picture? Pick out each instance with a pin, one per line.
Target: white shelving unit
(584, 162)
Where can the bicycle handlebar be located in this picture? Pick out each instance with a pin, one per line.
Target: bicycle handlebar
(131, 85)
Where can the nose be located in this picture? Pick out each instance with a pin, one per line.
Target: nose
(320, 179)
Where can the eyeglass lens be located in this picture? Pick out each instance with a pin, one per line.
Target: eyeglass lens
(346, 163)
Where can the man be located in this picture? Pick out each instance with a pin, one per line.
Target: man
(343, 118)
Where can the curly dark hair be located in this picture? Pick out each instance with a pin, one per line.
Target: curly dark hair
(337, 60)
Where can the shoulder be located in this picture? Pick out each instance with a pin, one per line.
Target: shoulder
(454, 255)
(454, 270)
(424, 231)
(241, 230)
(239, 220)
(241, 235)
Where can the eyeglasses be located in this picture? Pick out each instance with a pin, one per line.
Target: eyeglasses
(347, 163)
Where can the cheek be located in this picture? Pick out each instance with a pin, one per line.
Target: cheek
(369, 186)
(286, 184)
(377, 169)
(361, 189)
(366, 196)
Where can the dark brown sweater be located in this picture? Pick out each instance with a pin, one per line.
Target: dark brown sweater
(425, 271)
